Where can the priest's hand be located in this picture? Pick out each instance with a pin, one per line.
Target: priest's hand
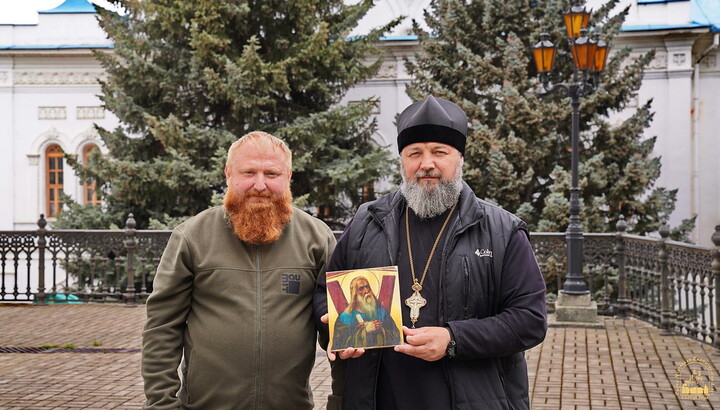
(427, 343)
(349, 353)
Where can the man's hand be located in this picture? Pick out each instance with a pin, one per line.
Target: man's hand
(349, 353)
(427, 343)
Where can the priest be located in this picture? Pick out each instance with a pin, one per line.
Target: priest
(474, 296)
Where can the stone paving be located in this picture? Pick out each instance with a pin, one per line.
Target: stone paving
(625, 364)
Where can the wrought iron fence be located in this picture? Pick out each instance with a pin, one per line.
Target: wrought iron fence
(669, 284)
(76, 266)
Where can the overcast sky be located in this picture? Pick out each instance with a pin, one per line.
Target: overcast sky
(25, 11)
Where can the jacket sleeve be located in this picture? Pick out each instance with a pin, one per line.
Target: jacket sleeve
(323, 261)
(337, 262)
(521, 319)
(167, 309)
(337, 368)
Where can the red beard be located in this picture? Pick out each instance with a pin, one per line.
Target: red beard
(258, 221)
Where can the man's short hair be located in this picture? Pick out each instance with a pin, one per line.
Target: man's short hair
(261, 140)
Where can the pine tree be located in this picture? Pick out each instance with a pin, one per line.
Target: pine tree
(188, 77)
(478, 54)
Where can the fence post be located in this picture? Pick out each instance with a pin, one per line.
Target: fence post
(715, 269)
(130, 245)
(623, 304)
(40, 295)
(665, 313)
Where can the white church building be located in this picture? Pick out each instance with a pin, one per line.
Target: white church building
(49, 100)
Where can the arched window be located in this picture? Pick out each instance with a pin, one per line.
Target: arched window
(53, 179)
(89, 193)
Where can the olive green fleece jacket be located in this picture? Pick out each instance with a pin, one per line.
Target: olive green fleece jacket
(238, 315)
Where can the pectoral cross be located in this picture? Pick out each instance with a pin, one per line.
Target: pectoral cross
(415, 302)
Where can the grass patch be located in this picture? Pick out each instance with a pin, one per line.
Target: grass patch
(70, 346)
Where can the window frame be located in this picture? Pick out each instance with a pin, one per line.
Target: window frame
(89, 198)
(54, 179)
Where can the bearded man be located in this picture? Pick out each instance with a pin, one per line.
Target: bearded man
(365, 322)
(474, 294)
(232, 296)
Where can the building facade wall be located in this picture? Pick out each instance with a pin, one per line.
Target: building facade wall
(52, 99)
(685, 105)
(49, 94)
(706, 149)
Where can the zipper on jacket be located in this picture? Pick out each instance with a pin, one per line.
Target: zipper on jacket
(450, 381)
(453, 236)
(377, 376)
(466, 287)
(259, 331)
(501, 373)
(387, 238)
(392, 262)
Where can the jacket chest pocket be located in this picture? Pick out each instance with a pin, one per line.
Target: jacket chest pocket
(471, 277)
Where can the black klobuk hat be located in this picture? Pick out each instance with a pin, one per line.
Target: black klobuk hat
(432, 120)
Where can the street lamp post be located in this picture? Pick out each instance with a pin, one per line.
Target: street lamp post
(589, 56)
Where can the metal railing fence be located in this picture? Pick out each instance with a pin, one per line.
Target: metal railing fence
(76, 266)
(669, 284)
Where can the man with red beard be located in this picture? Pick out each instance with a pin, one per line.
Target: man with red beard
(365, 322)
(232, 298)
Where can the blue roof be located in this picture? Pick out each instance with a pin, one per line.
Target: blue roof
(657, 1)
(703, 13)
(706, 12)
(653, 27)
(66, 47)
(71, 7)
(411, 37)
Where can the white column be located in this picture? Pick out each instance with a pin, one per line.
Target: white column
(708, 145)
(675, 148)
(7, 145)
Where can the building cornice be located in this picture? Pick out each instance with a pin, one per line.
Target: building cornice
(53, 48)
(662, 30)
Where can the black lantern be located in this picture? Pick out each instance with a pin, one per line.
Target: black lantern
(600, 58)
(576, 19)
(544, 53)
(583, 51)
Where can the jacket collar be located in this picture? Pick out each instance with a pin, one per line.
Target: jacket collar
(470, 208)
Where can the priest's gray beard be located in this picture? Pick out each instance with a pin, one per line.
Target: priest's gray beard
(429, 201)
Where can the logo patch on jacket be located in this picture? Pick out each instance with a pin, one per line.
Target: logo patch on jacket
(483, 253)
(290, 283)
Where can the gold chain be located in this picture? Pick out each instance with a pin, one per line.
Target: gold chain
(417, 286)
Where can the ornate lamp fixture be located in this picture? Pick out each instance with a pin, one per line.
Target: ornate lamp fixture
(601, 53)
(544, 53)
(583, 50)
(589, 56)
(576, 19)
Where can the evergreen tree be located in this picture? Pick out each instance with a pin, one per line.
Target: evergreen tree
(479, 55)
(188, 77)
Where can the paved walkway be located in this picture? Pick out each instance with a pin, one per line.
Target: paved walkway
(624, 365)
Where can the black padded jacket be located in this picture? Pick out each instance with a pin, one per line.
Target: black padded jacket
(497, 317)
